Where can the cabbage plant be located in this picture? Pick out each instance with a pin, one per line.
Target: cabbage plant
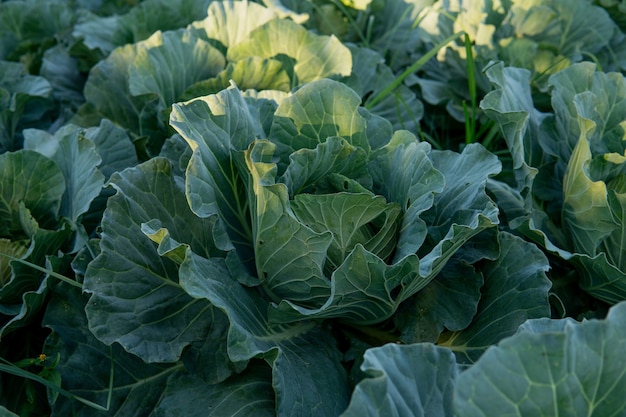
(288, 240)
(569, 169)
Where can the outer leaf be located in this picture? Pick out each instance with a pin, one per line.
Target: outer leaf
(170, 62)
(153, 317)
(230, 22)
(105, 32)
(516, 289)
(23, 278)
(24, 99)
(107, 91)
(29, 178)
(6, 413)
(114, 147)
(137, 386)
(28, 288)
(410, 381)
(62, 72)
(247, 394)
(449, 301)
(511, 105)
(315, 56)
(78, 160)
(308, 377)
(577, 371)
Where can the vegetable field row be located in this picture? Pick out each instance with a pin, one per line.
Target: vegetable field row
(312, 208)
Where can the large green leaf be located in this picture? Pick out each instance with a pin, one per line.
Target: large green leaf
(365, 290)
(405, 380)
(351, 218)
(449, 301)
(307, 167)
(510, 104)
(289, 255)
(24, 99)
(575, 371)
(414, 189)
(86, 365)
(36, 183)
(516, 289)
(152, 317)
(105, 33)
(215, 127)
(169, 62)
(314, 56)
(462, 209)
(114, 147)
(307, 375)
(230, 22)
(318, 110)
(247, 394)
(25, 293)
(108, 96)
(77, 157)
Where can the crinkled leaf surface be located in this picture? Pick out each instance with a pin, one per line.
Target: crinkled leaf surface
(307, 167)
(318, 110)
(576, 371)
(351, 218)
(135, 296)
(405, 380)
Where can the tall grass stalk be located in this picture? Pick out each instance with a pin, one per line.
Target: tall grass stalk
(389, 89)
(470, 114)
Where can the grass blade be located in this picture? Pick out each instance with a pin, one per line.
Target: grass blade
(410, 70)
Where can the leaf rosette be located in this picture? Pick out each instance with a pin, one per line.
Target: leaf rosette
(328, 220)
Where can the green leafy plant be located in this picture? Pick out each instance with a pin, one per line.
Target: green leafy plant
(311, 208)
